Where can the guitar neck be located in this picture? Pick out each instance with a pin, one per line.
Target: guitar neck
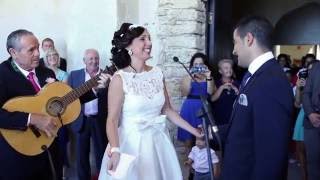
(79, 91)
(87, 86)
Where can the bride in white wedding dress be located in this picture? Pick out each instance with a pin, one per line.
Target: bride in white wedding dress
(138, 106)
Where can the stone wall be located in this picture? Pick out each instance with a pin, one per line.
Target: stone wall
(181, 33)
(181, 29)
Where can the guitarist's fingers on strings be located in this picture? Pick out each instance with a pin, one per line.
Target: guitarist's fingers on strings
(45, 123)
(103, 80)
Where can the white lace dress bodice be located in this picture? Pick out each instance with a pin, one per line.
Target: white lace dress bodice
(144, 97)
(142, 129)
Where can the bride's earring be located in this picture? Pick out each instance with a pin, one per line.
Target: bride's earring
(130, 52)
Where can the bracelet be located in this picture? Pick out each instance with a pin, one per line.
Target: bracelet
(209, 79)
(115, 149)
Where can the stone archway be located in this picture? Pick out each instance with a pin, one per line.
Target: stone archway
(299, 26)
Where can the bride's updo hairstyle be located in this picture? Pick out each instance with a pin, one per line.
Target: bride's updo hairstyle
(122, 39)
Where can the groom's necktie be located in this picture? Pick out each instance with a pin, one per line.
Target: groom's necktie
(245, 79)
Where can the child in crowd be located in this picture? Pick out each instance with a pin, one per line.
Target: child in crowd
(198, 158)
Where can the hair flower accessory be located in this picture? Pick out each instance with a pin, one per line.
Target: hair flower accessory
(132, 26)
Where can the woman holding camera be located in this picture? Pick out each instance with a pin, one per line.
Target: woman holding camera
(298, 134)
(202, 84)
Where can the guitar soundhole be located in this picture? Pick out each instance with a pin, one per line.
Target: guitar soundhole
(55, 107)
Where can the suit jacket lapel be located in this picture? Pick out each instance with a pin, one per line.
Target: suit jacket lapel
(247, 87)
(257, 73)
(18, 74)
(83, 77)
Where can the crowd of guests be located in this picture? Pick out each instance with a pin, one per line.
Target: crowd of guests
(302, 147)
(222, 92)
(90, 125)
(253, 116)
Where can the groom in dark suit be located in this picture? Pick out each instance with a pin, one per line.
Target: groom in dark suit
(92, 120)
(257, 143)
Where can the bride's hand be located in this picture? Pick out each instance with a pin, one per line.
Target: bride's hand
(113, 161)
(198, 133)
(109, 150)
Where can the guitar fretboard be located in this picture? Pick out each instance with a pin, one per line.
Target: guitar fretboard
(79, 91)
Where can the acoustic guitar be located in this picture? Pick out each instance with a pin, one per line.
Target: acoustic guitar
(56, 99)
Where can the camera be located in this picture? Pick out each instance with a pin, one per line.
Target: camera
(303, 74)
(198, 69)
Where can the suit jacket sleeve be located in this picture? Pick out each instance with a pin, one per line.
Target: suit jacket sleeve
(272, 108)
(103, 93)
(307, 92)
(9, 120)
(12, 86)
(103, 104)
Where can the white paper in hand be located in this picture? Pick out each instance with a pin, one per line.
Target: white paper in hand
(125, 164)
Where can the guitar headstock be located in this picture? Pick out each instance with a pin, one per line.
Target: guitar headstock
(110, 69)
